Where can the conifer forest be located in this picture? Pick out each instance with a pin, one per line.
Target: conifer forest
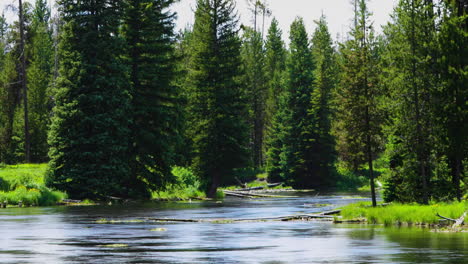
(113, 98)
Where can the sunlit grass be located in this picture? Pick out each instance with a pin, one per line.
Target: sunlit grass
(25, 183)
(404, 213)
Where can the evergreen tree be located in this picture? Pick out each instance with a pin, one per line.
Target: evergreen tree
(149, 36)
(13, 134)
(453, 115)
(39, 80)
(253, 56)
(325, 75)
(90, 128)
(297, 154)
(358, 108)
(410, 77)
(216, 127)
(275, 65)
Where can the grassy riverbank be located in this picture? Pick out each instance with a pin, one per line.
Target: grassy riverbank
(403, 214)
(25, 183)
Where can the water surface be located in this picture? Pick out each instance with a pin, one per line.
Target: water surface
(72, 235)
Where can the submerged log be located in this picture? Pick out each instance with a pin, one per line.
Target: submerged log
(299, 217)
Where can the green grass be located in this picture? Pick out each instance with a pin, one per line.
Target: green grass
(411, 214)
(25, 183)
(186, 186)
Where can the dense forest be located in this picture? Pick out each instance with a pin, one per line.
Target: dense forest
(113, 98)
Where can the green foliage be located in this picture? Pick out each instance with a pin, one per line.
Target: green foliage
(149, 32)
(216, 126)
(320, 109)
(296, 152)
(89, 133)
(254, 81)
(275, 66)
(39, 81)
(348, 180)
(396, 214)
(418, 131)
(25, 183)
(360, 116)
(186, 185)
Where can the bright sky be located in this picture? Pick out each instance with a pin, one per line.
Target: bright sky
(339, 13)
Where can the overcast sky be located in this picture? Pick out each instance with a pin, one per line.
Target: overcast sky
(339, 13)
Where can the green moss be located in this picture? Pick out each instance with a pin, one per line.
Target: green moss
(411, 214)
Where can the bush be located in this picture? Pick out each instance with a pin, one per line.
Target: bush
(186, 186)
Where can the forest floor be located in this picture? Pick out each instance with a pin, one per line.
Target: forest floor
(404, 214)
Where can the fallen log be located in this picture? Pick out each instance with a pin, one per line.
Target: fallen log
(250, 189)
(300, 217)
(458, 222)
(271, 185)
(237, 194)
(253, 195)
(332, 212)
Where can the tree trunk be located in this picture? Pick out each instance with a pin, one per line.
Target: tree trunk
(215, 182)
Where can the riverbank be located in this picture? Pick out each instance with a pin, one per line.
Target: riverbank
(24, 185)
(403, 214)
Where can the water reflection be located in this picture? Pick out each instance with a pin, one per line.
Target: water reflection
(71, 235)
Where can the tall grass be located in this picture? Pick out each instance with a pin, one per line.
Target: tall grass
(25, 183)
(404, 213)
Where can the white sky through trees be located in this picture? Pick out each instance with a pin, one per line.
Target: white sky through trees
(339, 13)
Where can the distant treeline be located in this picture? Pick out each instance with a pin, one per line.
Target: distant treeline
(112, 97)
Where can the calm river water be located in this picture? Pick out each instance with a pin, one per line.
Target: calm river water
(71, 235)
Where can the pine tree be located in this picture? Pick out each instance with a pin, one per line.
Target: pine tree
(297, 153)
(89, 147)
(253, 57)
(149, 35)
(325, 81)
(275, 65)
(453, 115)
(216, 125)
(359, 113)
(410, 77)
(14, 133)
(39, 80)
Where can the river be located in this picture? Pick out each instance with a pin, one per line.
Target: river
(72, 235)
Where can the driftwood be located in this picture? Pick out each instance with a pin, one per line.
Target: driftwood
(271, 185)
(250, 189)
(458, 222)
(332, 212)
(238, 194)
(243, 185)
(299, 217)
(71, 201)
(249, 194)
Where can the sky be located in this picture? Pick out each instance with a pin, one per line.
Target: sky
(339, 13)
